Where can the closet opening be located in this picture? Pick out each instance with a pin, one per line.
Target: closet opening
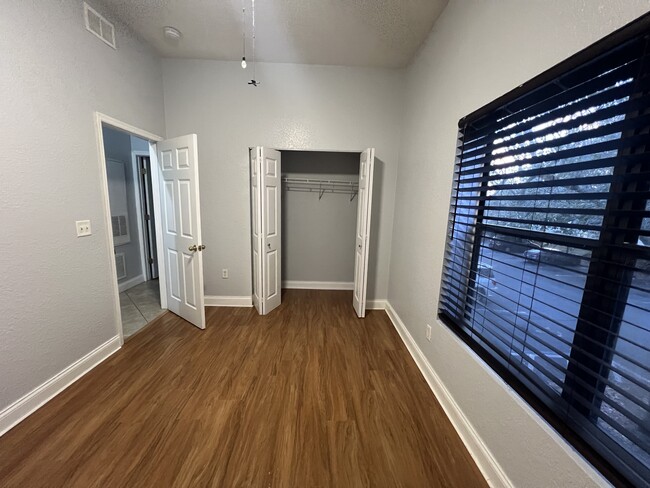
(319, 215)
(310, 223)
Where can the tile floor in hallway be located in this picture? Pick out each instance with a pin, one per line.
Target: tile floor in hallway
(139, 306)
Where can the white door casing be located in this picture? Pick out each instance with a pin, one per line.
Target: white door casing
(364, 207)
(266, 203)
(181, 227)
(256, 228)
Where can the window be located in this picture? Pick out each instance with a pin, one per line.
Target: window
(547, 266)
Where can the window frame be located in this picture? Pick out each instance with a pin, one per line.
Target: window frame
(613, 231)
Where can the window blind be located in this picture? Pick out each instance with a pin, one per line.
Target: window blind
(547, 263)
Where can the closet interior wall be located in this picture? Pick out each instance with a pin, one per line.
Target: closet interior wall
(318, 227)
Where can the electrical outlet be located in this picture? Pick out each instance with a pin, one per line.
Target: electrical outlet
(428, 332)
(224, 273)
(83, 228)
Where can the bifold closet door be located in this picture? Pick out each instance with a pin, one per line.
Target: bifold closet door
(266, 204)
(366, 171)
(181, 227)
(256, 228)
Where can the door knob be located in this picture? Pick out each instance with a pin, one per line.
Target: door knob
(268, 244)
(193, 247)
(201, 247)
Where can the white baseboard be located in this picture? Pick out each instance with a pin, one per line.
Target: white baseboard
(234, 301)
(228, 301)
(488, 465)
(28, 404)
(318, 285)
(125, 285)
(375, 304)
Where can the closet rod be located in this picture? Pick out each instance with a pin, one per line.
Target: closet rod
(321, 186)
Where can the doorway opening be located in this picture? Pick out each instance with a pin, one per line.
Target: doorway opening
(310, 224)
(163, 199)
(130, 195)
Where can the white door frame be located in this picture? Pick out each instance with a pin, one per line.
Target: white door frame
(101, 120)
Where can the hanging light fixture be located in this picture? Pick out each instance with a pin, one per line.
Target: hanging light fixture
(254, 81)
(243, 34)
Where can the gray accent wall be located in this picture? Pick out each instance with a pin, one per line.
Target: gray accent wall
(318, 235)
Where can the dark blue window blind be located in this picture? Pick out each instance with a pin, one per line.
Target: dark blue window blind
(547, 265)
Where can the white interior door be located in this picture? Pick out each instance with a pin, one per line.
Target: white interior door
(256, 228)
(181, 227)
(366, 170)
(266, 195)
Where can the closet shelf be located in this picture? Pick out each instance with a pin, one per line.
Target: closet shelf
(321, 186)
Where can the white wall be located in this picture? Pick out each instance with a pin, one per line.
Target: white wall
(319, 235)
(477, 51)
(55, 293)
(296, 107)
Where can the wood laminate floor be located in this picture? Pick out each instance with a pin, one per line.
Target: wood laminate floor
(307, 396)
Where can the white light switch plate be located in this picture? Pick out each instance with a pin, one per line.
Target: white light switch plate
(83, 228)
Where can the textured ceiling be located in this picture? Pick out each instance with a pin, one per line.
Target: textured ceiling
(383, 33)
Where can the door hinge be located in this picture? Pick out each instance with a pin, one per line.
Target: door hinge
(143, 171)
(150, 260)
(147, 217)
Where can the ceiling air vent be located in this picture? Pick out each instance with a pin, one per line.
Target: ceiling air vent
(99, 26)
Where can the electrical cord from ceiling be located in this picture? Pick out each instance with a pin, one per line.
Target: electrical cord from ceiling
(254, 81)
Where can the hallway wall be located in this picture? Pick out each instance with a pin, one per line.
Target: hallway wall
(118, 146)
